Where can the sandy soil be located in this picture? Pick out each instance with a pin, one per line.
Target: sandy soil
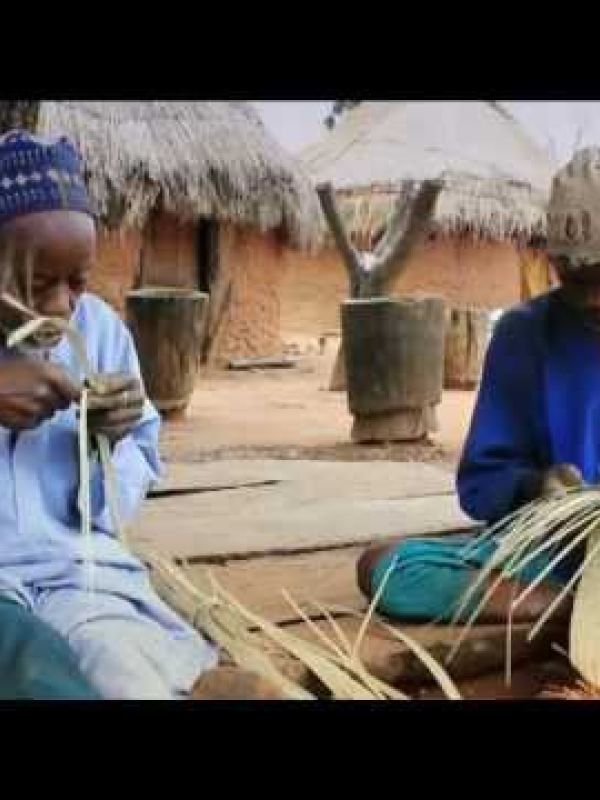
(290, 413)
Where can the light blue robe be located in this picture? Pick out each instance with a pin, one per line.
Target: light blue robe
(130, 643)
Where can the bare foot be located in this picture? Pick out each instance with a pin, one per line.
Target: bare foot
(234, 683)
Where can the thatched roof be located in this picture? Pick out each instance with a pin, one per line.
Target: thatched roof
(196, 159)
(496, 179)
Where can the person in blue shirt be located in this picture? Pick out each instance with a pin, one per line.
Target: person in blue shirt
(535, 429)
(119, 641)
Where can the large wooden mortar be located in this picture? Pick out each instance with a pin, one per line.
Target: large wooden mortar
(394, 357)
(168, 327)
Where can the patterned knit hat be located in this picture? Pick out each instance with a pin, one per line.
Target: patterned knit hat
(40, 174)
(574, 210)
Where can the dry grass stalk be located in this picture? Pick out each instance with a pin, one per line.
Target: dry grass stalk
(38, 325)
(556, 527)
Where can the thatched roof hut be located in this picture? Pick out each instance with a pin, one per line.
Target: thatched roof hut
(490, 212)
(195, 159)
(496, 179)
(193, 195)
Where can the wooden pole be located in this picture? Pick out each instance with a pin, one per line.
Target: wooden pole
(535, 274)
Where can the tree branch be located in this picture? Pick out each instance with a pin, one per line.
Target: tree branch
(351, 258)
(396, 224)
(409, 224)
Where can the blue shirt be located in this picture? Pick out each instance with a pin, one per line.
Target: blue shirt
(538, 405)
(39, 480)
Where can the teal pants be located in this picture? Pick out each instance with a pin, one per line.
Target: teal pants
(430, 575)
(35, 662)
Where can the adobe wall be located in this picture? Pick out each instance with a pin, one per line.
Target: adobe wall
(479, 274)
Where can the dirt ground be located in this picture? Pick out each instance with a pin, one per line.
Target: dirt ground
(290, 413)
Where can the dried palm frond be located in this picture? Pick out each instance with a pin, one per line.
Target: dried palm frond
(554, 526)
(48, 325)
(216, 613)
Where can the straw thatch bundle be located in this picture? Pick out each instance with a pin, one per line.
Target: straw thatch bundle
(333, 660)
(496, 181)
(194, 159)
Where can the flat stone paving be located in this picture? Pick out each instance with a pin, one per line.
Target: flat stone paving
(315, 504)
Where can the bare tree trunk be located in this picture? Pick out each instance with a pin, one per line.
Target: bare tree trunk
(350, 256)
(406, 228)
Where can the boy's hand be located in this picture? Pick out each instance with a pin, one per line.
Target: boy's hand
(559, 478)
(115, 406)
(31, 391)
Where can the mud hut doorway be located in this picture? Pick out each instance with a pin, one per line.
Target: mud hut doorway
(179, 253)
(207, 254)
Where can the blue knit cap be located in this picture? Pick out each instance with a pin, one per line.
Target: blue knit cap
(40, 174)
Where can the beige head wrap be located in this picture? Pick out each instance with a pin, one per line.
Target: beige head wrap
(574, 210)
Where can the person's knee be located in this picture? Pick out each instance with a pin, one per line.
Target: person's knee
(35, 661)
(412, 581)
(364, 568)
(366, 564)
(116, 685)
(119, 670)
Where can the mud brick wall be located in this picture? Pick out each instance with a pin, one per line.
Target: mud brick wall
(245, 305)
(245, 298)
(117, 266)
(479, 274)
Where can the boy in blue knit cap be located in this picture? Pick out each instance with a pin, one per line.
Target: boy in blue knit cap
(126, 643)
